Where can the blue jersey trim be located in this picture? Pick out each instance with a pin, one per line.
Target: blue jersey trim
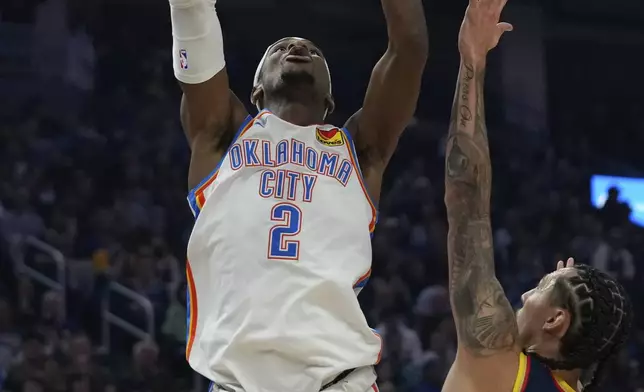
(192, 200)
(352, 145)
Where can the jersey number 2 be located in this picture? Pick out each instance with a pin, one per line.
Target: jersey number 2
(289, 222)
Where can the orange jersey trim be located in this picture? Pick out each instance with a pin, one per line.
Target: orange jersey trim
(354, 161)
(561, 384)
(361, 282)
(192, 321)
(199, 192)
(523, 374)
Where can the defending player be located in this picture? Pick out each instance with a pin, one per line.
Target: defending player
(575, 319)
(284, 207)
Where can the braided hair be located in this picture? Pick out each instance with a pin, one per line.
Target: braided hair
(601, 318)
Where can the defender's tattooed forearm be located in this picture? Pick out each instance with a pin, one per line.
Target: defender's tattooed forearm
(484, 318)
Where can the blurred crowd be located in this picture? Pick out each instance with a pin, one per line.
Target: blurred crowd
(93, 163)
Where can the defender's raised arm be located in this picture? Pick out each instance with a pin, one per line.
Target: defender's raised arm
(483, 315)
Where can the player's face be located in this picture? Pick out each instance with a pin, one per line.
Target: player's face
(296, 60)
(540, 309)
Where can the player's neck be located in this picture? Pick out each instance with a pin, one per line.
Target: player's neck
(297, 113)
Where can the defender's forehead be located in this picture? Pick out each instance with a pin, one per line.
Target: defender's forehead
(563, 273)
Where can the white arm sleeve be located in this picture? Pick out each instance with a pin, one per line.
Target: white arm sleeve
(197, 47)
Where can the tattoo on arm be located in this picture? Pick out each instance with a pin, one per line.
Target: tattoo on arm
(484, 318)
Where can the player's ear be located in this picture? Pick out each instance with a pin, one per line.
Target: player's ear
(256, 96)
(330, 104)
(558, 322)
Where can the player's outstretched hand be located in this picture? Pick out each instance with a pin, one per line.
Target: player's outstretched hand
(481, 30)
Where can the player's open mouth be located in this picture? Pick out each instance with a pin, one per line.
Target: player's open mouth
(293, 58)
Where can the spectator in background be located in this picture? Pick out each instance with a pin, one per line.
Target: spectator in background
(147, 375)
(174, 326)
(25, 301)
(589, 239)
(32, 386)
(387, 379)
(81, 384)
(54, 376)
(52, 323)
(80, 64)
(443, 344)
(167, 266)
(143, 277)
(9, 338)
(432, 376)
(50, 35)
(81, 57)
(401, 343)
(22, 219)
(29, 364)
(173, 341)
(614, 212)
(62, 231)
(614, 258)
(432, 301)
(80, 356)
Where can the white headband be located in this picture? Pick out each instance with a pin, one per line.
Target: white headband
(261, 64)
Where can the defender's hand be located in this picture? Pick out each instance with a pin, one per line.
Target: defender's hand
(481, 30)
(569, 263)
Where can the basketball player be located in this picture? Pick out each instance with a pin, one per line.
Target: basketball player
(285, 206)
(575, 319)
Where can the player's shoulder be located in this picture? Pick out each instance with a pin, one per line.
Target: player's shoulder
(352, 124)
(471, 372)
(512, 369)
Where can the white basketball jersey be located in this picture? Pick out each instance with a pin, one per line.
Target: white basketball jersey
(280, 248)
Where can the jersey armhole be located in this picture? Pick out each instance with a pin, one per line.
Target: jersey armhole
(523, 374)
(561, 384)
(351, 147)
(195, 196)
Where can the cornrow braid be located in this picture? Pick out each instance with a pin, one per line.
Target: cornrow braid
(601, 322)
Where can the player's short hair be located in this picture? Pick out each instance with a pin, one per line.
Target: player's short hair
(601, 318)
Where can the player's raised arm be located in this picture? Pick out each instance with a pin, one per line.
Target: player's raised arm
(391, 97)
(210, 113)
(484, 319)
